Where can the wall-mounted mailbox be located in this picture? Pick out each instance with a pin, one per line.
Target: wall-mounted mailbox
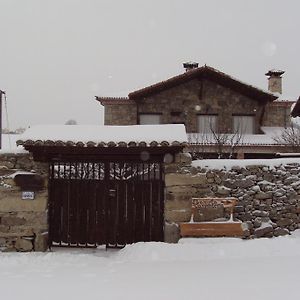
(30, 182)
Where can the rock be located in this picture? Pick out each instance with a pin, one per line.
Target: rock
(2, 242)
(223, 191)
(296, 185)
(239, 208)
(11, 221)
(291, 179)
(183, 158)
(41, 242)
(260, 213)
(284, 222)
(246, 230)
(23, 245)
(264, 230)
(245, 183)
(279, 193)
(281, 231)
(184, 179)
(256, 189)
(266, 185)
(263, 195)
(257, 222)
(172, 233)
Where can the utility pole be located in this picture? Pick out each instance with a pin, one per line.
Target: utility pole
(1, 93)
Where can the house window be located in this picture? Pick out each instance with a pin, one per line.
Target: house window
(243, 124)
(177, 117)
(149, 119)
(207, 123)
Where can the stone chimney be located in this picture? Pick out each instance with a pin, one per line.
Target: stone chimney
(190, 65)
(275, 81)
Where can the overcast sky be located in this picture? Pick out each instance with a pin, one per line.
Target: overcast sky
(56, 55)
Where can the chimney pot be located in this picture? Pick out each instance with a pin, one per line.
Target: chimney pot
(190, 65)
(275, 81)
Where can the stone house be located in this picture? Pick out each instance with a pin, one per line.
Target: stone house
(209, 103)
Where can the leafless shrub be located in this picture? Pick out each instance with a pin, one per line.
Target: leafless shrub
(290, 137)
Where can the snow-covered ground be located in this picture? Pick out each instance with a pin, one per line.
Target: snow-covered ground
(205, 269)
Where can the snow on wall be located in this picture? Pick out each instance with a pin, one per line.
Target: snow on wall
(229, 163)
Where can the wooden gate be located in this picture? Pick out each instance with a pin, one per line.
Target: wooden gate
(108, 203)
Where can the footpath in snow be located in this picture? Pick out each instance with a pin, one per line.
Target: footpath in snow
(218, 268)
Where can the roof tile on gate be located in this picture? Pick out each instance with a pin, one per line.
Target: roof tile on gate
(104, 136)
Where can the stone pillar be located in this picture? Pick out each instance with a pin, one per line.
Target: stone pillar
(23, 216)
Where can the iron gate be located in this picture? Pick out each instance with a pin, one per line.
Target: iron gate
(109, 202)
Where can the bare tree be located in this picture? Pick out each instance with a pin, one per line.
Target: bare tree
(226, 143)
(197, 145)
(290, 137)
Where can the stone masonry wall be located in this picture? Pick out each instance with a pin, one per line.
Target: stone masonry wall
(23, 223)
(268, 198)
(122, 114)
(201, 97)
(277, 114)
(182, 104)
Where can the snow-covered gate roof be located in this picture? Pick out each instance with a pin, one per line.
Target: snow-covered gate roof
(102, 136)
(46, 141)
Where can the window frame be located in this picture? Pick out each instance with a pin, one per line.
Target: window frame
(211, 130)
(240, 131)
(148, 114)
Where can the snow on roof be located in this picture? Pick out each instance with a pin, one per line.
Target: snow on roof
(243, 163)
(284, 98)
(245, 139)
(168, 134)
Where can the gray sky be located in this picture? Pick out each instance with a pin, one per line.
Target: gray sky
(56, 55)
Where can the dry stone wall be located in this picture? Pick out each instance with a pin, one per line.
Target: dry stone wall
(268, 197)
(23, 222)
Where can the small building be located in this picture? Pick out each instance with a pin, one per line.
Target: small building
(211, 104)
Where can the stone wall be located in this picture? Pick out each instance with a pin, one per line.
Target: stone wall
(201, 97)
(121, 114)
(277, 114)
(182, 104)
(268, 198)
(23, 223)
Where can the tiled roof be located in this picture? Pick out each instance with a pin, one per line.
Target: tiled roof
(114, 100)
(209, 73)
(205, 72)
(104, 136)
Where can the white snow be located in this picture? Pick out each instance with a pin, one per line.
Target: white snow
(86, 133)
(245, 139)
(9, 144)
(219, 268)
(229, 163)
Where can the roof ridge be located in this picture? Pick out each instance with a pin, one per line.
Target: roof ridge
(193, 73)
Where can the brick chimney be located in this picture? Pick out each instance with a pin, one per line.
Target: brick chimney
(190, 65)
(275, 81)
